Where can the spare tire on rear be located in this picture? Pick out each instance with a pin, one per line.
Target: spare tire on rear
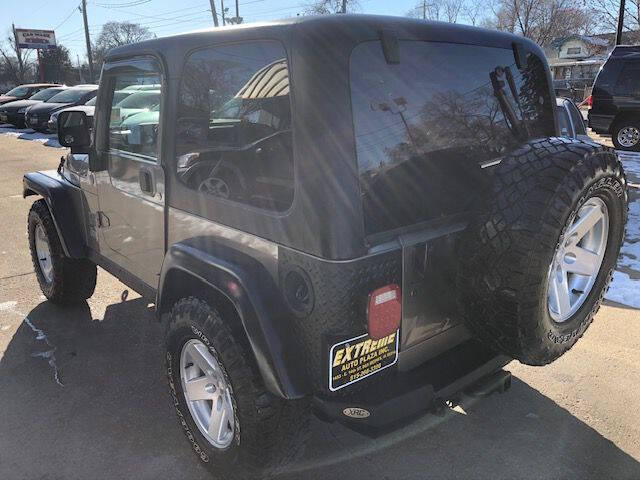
(539, 254)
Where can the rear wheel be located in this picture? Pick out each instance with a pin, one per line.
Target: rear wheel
(62, 279)
(235, 426)
(542, 254)
(626, 134)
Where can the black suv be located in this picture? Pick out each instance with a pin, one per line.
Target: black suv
(357, 216)
(616, 98)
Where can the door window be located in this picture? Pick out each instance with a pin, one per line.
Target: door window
(233, 138)
(135, 115)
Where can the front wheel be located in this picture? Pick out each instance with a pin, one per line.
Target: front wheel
(63, 280)
(235, 426)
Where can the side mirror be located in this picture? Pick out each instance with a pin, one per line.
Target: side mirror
(74, 131)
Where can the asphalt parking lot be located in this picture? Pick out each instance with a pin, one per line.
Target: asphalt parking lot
(83, 393)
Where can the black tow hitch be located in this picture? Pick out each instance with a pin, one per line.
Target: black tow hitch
(499, 381)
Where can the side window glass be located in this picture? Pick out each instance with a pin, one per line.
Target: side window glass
(576, 118)
(627, 83)
(135, 115)
(233, 136)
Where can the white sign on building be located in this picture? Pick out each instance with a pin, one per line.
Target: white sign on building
(36, 39)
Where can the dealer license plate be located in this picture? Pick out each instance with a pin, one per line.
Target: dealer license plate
(3, 118)
(357, 358)
(33, 120)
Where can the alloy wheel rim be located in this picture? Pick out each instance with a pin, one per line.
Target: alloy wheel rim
(216, 187)
(43, 252)
(207, 393)
(577, 259)
(628, 136)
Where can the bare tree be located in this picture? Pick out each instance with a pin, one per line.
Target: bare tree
(541, 20)
(606, 13)
(18, 71)
(443, 10)
(325, 7)
(473, 11)
(115, 34)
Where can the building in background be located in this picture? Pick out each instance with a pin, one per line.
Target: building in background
(576, 59)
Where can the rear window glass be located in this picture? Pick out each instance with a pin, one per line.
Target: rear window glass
(564, 127)
(425, 127)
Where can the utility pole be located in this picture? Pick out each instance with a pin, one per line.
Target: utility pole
(620, 23)
(237, 10)
(222, 8)
(424, 9)
(213, 12)
(344, 6)
(79, 69)
(87, 39)
(18, 54)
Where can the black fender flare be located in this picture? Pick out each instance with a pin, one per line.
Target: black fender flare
(65, 202)
(246, 283)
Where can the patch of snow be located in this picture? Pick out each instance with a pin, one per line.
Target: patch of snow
(630, 161)
(48, 140)
(625, 290)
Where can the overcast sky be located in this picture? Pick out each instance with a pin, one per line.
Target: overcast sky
(162, 17)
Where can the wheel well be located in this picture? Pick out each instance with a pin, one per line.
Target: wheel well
(624, 116)
(180, 284)
(28, 192)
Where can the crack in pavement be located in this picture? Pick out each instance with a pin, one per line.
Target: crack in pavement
(17, 275)
(40, 336)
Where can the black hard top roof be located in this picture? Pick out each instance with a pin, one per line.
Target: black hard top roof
(357, 27)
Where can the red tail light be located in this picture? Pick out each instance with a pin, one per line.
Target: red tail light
(587, 102)
(384, 312)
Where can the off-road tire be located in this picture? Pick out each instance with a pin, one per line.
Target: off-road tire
(74, 280)
(619, 125)
(272, 432)
(508, 249)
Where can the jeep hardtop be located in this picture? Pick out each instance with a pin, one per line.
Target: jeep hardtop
(357, 216)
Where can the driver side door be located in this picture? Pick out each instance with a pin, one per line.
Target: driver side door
(131, 190)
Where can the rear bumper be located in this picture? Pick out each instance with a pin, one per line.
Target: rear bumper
(600, 123)
(406, 395)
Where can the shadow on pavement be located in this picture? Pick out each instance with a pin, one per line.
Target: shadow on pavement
(113, 418)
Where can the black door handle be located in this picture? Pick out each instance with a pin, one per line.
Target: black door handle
(147, 185)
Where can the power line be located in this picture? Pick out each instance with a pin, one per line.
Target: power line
(133, 3)
(66, 18)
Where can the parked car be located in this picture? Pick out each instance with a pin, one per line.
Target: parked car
(13, 112)
(37, 116)
(570, 121)
(615, 98)
(405, 227)
(24, 91)
(88, 108)
(138, 101)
